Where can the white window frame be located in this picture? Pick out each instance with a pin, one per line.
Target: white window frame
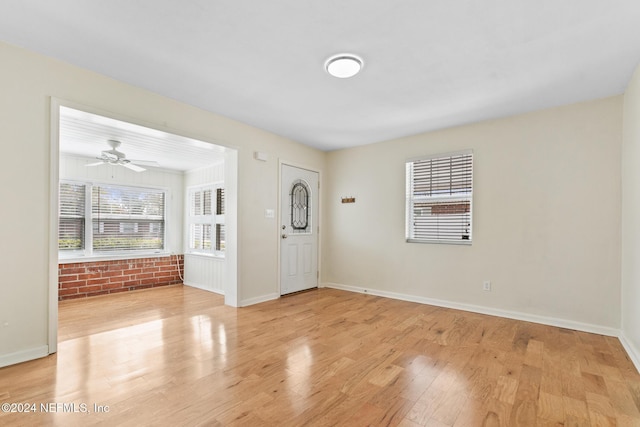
(451, 198)
(87, 252)
(211, 220)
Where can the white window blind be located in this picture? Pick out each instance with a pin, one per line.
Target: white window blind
(206, 219)
(127, 218)
(71, 228)
(439, 195)
(201, 219)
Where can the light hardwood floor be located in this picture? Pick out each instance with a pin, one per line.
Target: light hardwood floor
(177, 356)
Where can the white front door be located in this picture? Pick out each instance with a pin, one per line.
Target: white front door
(298, 229)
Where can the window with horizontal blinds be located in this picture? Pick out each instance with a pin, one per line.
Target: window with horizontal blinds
(71, 228)
(206, 219)
(127, 218)
(439, 195)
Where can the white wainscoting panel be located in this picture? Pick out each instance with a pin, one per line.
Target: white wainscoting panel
(204, 272)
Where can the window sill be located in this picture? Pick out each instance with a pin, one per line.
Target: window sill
(205, 255)
(442, 242)
(114, 257)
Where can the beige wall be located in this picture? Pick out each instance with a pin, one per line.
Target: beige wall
(546, 217)
(27, 81)
(631, 219)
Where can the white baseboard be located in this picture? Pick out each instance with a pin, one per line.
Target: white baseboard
(204, 288)
(23, 356)
(551, 321)
(631, 350)
(258, 300)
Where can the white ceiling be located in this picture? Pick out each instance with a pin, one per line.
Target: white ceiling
(428, 64)
(84, 134)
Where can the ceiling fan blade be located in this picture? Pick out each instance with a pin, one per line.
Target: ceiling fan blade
(133, 167)
(95, 164)
(146, 162)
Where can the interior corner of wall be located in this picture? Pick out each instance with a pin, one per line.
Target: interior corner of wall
(631, 349)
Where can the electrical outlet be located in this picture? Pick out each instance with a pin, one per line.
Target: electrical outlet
(486, 285)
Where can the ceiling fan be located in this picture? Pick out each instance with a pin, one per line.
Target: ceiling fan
(116, 157)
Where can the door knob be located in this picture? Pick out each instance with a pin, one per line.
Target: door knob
(284, 236)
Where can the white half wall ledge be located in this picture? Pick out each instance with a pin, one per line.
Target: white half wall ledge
(632, 352)
(258, 300)
(23, 356)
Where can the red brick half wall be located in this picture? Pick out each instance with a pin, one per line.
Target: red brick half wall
(87, 279)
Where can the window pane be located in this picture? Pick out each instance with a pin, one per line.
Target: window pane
(196, 203)
(127, 218)
(206, 205)
(195, 236)
(220, 237)
(442, 176)
(200, 236)
(442, 220)
(71, 217)
(299, 202)
(121, 235)
(220, 201)
(71, 234)
(206, 236)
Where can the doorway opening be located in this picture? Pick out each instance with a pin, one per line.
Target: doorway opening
(136, 206)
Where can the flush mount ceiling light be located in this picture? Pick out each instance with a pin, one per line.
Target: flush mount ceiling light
(343, 65)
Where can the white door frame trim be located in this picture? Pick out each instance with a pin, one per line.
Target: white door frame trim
(54, 180)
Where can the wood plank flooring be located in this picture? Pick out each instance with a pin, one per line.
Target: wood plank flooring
(177, 356)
